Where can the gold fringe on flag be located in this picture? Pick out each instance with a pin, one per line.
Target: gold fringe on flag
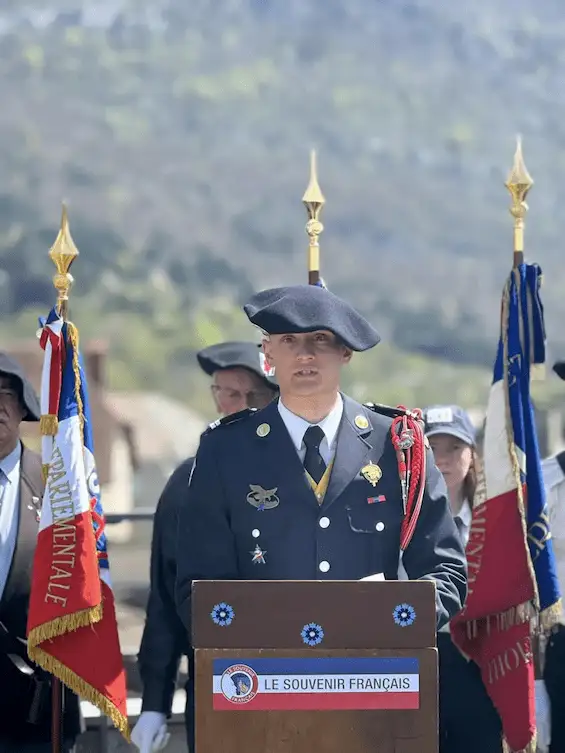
(530, 748)
(60, 625)
(82, 689)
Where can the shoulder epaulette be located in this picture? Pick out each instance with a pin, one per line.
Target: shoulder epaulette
(231, 419)
(390, 411)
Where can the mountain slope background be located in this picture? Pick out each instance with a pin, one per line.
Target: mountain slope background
(179, 133)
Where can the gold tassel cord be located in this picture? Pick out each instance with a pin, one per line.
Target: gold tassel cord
(74, 338)
(49, 425)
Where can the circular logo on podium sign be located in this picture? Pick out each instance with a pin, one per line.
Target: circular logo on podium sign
(239, 684)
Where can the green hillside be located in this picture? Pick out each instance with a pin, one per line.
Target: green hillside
(179, 134)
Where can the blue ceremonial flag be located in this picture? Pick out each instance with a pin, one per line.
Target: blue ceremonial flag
(523, 351)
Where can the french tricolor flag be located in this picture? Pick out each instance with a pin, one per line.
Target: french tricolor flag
(72, 629)
(513, 588)
(316, 684)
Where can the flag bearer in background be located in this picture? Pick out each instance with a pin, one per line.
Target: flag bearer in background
(238, 382)
(468, 720)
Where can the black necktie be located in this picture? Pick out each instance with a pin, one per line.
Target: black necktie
(313, 461)
(460, 526)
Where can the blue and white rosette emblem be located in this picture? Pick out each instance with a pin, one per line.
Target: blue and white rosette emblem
(222, 614)
(404, 615)
(312, 634)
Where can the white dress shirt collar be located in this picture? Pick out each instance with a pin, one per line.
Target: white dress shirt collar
(296, 425)
(10, 464)
(465, 514)
(9, 511)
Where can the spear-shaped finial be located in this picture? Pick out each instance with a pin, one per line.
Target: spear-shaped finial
(63, 253)
(519, 183)
(313, 200)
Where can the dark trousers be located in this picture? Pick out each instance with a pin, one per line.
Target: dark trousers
(554, 676)
(468, 721)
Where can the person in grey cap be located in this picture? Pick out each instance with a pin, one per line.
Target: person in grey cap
(238, 381)
(553, 470)
(468, 720)
(25, 689)
(308, 488)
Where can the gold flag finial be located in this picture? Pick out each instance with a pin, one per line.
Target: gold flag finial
(63, 253)
(519, 183)
(313, 200)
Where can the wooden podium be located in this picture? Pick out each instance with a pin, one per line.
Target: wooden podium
(308, 666)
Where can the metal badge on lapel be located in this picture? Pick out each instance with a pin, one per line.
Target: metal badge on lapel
(372, 473)
(36, 507)
(361, 422)
(263, 430)
(263, 499)
(258, 555)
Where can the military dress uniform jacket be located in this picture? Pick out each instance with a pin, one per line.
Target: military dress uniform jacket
(353, 533)
(18, 690)
(164, 638)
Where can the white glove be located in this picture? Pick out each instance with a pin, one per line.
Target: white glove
(543, 717)
(150, 733)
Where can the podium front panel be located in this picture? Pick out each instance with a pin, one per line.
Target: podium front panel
(305, 700)
(352, 614)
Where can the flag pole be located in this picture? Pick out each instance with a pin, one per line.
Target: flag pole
(313, 200)
(62, 253)
(519, 183)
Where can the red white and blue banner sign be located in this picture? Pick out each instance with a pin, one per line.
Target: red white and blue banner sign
(316, 684)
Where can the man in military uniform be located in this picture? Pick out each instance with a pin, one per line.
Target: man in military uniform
(238, 382)
(25, 690)
(287, 492)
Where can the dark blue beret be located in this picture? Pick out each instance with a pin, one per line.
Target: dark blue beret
(308, 308)
(230, 355)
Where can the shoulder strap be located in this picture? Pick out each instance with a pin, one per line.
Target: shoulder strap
(231, 419)
(389, 410)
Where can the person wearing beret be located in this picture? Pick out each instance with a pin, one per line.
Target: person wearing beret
(25, 689)
(309, 487)
(238, 381)
(553, 470)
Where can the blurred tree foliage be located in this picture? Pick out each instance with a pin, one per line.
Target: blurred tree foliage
(179, 133)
